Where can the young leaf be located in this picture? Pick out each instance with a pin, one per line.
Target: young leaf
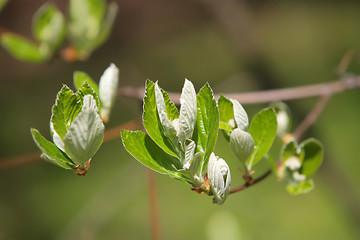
(49, 26)
(21, 48)
(291, 149)
(81, 77)
(147, 152)
(263, 130)
(107, 25)
(240, 115)
(65, 109)
(188, 110)
(86, 89)
(242, 144)
(226, 111)
(107, 90)
(219, 178)
(189, 153)
(207, 121)
(152, 123)
(171, 111)
(283, 117)
(85, 134)
(51, 152)
(86, 18)
(195, 171)
(168, 128)
(301, 187)
(313, 156)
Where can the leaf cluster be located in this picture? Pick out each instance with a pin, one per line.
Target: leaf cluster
(87, 27)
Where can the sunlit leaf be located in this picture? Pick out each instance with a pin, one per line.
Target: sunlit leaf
(313, 156)
(50, 152)
(207, 121)
(152, 123)
(86, 89)
(21, 48)
(107, 90)
(147, 152)
(107, 25)
(188, 110)
(171, 110)
(226, 111)
(263, 130)
(85, 134)
(301, 187)
(66, 108)
(242, 144)
(240, 115)
(49, 26)
(86, 19)
(81, 77)
(168, 128)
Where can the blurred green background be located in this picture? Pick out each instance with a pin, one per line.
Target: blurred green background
(236, 46)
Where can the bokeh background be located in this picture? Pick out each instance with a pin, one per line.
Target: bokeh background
(236, 46)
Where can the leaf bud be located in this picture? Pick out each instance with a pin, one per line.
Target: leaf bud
(242, 144)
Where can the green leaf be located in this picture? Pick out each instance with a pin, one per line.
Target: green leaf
(152, 123)
(51, 152)
(147, 152)
(107, 90)
(2, 4)
(207, 122)
(49, 26)
(187, 119)
(313, 156)
(66, 108)
(263, 130)
(107, 25)
(167, 127)
(21, 48)
(171, 110)
(240, 115)
(226, 111)
(242, 144)
(86, 89)
(301, 187)
(291, 149)
(86, 17)
(85, 134)
(81, 77)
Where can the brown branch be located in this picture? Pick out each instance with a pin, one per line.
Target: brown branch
(250, 183)
(345, 83)
(33, 157)
(310, 119)
(153, 205)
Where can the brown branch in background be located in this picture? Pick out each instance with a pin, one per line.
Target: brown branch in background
(310, 119)
(250, 183)
(29, 158)
(153, 205)
(345, 83)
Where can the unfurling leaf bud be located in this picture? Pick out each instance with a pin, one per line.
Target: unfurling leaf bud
(242, 144)
(219, 178)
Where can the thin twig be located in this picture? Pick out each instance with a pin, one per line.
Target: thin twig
(345, 83)
(33, 157)
(153, 205)
(249, 184)
(310, 119)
